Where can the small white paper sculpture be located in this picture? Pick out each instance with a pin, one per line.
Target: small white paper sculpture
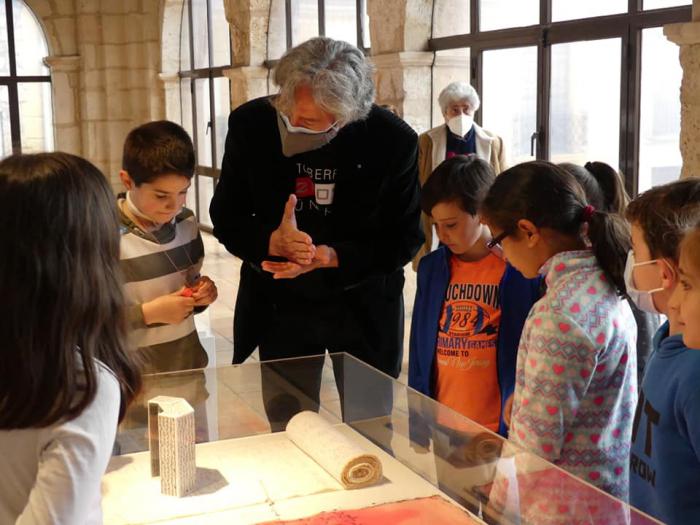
(171, 437)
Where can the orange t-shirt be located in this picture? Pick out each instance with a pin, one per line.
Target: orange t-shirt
(466, 377)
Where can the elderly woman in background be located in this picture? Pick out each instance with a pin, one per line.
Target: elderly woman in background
(319, 196)
(459, 135)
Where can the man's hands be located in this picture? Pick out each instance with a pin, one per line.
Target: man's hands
(288, 242)
(297, 247)
(325, 257)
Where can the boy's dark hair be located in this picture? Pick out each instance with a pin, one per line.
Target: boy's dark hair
(665, 213)
(550, 197)
(62, 305)
(461, 179)
(602, 184)
(158, 148)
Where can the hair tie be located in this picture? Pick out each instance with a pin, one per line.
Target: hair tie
(587, 213)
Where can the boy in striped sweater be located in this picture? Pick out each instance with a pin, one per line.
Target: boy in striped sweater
(161, 249)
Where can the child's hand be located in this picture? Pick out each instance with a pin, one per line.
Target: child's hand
(205, 292)
(168, 309)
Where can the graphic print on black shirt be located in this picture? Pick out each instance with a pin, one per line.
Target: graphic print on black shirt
(315, 174)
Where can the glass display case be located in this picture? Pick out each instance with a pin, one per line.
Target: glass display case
(436, 466)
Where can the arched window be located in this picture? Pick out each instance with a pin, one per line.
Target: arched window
(26, 116)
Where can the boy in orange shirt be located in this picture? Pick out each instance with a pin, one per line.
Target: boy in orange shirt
(469, 310)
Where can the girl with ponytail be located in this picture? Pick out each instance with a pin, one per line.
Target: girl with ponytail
(576, 381)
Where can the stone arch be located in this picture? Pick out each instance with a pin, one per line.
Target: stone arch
(57, 21)
(44, 13)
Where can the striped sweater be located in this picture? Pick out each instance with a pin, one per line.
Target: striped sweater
(155, 264)
(576, 375)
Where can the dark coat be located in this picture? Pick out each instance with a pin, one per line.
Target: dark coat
(374, 225)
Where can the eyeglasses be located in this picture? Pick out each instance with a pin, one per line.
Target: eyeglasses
(496, 241)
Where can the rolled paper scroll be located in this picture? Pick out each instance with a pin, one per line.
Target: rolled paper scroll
(347, 462)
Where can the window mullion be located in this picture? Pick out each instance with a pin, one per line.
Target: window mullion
(360, 11)
(288, 16)
(322, 17)
(544, 80)
(9, 16)
(545, 12)
(630, 104)
(15, 128)
(210, 82)
(193, 91)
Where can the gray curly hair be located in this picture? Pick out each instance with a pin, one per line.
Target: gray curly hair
(338, 73)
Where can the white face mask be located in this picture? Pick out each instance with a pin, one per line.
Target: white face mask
(296, 139)
(461, 124)
(134, 209)
(642, 298)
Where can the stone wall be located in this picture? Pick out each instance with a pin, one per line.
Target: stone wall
(104, 57)
(687, 36)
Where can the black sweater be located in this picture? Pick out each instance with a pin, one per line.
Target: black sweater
(373, 225)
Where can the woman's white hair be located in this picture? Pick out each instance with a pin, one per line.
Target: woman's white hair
(458, 92)
(338, 73)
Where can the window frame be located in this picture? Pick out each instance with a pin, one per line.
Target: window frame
(13, 80)
(207, 73)
(360, 6)
(627, 26)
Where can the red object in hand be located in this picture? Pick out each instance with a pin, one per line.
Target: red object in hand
(187, 292)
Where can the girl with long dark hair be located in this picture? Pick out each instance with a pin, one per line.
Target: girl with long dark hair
(65, 375)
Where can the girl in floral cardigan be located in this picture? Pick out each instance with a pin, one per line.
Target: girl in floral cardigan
(576, 383)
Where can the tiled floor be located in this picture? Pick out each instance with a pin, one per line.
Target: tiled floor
(224, 269)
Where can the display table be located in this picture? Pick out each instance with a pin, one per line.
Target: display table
(247, 475)
(250, 480)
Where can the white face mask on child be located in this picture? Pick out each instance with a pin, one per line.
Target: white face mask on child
(134, 209)
(642, 298)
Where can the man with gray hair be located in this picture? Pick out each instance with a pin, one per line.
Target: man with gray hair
(459, 135)
(319, 196)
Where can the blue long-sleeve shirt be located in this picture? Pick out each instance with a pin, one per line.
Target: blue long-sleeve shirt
(665, 459)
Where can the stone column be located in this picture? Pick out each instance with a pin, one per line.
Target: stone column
(687, 36)
(399, 31)
(247, 83)
(65, 88)
(403, 80)
(249, 22)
